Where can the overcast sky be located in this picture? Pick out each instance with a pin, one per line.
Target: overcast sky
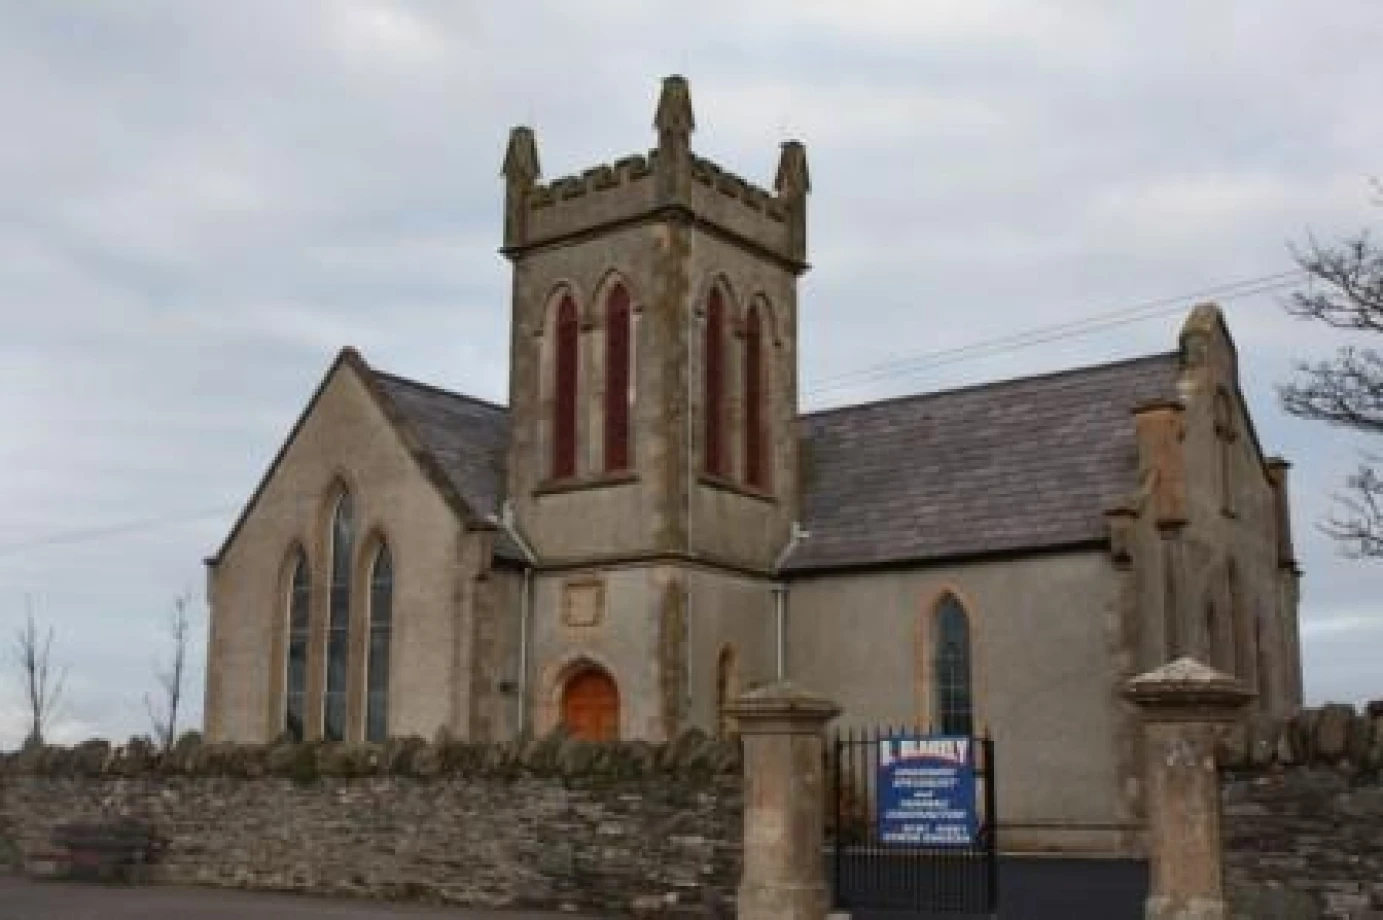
(201, 202)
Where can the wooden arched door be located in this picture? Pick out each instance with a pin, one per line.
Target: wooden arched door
(590, 706)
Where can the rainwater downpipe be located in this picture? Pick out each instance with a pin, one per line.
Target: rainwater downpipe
(780, 602)
(525, 607)
(691, 486)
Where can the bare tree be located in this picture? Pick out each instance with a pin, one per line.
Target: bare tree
(41, 681)
(164, 715)
(1345, 291)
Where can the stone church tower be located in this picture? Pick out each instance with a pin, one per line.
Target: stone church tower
(652, 464)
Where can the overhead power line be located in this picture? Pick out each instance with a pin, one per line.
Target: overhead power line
(128, 527)
(1039, 335)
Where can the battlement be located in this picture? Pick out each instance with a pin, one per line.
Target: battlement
(732, 186)
(604, 177)
(646, 186)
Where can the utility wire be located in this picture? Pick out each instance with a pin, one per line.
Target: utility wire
(128, 527)
(901, 367)
(1042, 334)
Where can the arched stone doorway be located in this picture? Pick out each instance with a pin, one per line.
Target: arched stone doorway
(590, 705)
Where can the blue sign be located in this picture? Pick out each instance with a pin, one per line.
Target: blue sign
(927, 791)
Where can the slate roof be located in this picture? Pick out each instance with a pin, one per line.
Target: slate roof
(467, 437)
(1015, 465)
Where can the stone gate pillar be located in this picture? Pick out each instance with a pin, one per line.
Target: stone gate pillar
(1183, 705)
(784, 876)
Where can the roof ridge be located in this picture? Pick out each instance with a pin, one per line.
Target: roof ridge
(989, 384)
(441, 391)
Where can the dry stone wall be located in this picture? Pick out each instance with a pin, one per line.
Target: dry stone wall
(1302, 804)
(558, 823)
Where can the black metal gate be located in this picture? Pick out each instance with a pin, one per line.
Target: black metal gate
(868, 873)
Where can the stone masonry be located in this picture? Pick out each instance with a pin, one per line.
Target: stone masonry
(1302, 807)
(558, 824)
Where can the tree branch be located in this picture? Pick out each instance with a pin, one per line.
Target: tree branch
(1345, 284)
(40, 680)
(170, 679)
(1359, 525)
(1345, 291)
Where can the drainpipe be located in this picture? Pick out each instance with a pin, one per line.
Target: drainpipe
(689, 490)
(506, 520)
(780, 601)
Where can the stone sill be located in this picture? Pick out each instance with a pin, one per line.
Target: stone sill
(582, 483)
(737, 488)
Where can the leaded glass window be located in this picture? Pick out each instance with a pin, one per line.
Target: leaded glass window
(299, 605)
(951, 670)
(381, 626)
(338, 620)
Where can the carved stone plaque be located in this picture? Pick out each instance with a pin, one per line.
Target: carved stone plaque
(583, 603)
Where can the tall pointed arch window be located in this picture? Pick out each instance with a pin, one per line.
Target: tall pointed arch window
(565, 371)
(755, 461)
(951, 669)
(338, 619)
(299, 605)
(617, 379)
(713, 398)
(381, 635)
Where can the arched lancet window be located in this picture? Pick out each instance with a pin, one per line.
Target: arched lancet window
(755, 461)
(1224, 448)
(951, 679)
(381, 629)
(617, 380)
(565, 382)
(339, 619)
(714, 384)
(299, 606)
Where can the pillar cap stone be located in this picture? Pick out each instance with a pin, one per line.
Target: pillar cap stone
(782, 702)
(1188, 688)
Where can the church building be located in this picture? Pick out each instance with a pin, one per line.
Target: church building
(651, 526)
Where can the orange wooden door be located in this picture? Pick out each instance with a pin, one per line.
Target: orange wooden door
(590, 707)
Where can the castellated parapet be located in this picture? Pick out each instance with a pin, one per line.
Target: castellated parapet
(670, 181)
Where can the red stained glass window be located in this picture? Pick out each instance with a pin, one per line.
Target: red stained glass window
(564, 404)
(617, 380)
(714, 397)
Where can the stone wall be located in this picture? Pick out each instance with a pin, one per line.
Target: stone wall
(1303, 816)
(606, 828)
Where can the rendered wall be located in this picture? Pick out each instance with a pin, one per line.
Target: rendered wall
(1043, 634)
(345, 439)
